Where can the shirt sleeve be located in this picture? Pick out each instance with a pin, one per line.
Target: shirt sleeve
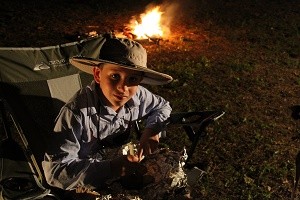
(63, 167)
(155, 108)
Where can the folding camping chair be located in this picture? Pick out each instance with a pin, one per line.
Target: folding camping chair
(33, 89)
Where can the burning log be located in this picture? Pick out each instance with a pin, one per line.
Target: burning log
(127, 33)
(155, 39)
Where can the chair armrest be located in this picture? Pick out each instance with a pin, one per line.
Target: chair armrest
(194, 120)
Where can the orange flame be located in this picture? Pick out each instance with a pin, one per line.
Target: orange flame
(150, 25)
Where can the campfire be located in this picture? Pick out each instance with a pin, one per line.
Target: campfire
(149, 26)
(153, 25)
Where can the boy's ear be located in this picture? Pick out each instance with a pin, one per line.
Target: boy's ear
(97, 72)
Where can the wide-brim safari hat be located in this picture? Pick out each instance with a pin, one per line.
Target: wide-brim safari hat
(124, 53)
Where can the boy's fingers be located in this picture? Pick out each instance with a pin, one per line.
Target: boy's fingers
(140, 154)
(133, 158)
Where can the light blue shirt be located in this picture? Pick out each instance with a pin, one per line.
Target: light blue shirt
(73, 158)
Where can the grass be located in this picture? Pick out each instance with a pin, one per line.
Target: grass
(249, 153)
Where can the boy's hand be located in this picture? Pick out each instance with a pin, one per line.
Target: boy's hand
(148, 143)
(126, 165)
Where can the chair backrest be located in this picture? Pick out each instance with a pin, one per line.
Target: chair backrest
(35, 83)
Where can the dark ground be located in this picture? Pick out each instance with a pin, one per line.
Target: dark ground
(238, 56)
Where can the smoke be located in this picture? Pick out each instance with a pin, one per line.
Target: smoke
(176, 11)
(179, 9)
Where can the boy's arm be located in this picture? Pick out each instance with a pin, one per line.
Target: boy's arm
(67, 165)
(157, 110)
(63, 166)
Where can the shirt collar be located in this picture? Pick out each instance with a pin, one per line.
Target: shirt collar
(134, 101)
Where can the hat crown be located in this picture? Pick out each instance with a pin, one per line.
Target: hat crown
(124, 51)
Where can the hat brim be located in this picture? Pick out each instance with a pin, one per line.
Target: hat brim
(151, 77)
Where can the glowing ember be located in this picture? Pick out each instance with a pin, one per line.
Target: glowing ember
(150, 25)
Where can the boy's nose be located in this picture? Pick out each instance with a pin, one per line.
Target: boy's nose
(122, 86)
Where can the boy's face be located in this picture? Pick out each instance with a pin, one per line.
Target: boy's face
(117, 84)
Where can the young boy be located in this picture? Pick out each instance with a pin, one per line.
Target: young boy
(100, 115)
